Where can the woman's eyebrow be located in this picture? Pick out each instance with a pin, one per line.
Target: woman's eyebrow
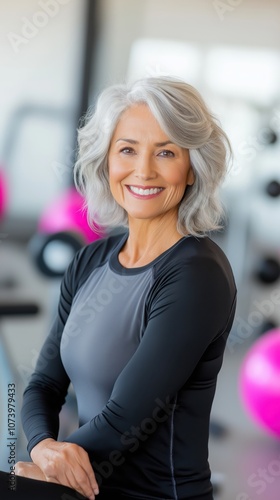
(132, 141)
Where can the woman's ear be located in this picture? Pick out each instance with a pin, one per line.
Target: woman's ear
(191, 177)
(190, 172)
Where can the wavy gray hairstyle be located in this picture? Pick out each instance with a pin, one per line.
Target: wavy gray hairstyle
(185, 118)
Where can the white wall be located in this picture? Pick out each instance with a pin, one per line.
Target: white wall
(41, 57)
(250, 23)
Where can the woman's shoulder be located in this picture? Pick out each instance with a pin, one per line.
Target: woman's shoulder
(191, 248)
(101, 249)
(195, 269)
(92, 256)
(201, 256)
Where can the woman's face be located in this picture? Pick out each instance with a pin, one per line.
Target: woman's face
(148, 173)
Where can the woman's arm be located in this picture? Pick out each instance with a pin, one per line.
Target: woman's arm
(62, 463)
(46, 391)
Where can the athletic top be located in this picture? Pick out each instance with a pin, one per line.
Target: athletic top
(142, 348)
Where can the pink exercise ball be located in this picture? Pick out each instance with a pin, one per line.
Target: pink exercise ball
(66, 213)
(259, 382)
(3, 194)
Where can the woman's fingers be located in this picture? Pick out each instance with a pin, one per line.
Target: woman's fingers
(73, 469)
(67, 464)
(77, 483)
(87, 468)
(76, 479)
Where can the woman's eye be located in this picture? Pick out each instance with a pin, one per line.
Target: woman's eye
(166, 153)
(127, 150)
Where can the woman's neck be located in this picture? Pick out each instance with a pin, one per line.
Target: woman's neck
(147, 240)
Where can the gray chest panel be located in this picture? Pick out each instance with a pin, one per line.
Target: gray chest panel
(102, 332)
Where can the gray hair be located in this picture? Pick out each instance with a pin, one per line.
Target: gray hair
(184, 117)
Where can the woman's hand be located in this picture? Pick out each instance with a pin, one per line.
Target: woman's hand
(30, 470)
(67, 464)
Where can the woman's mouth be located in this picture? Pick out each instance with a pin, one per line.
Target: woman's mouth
(146, 192)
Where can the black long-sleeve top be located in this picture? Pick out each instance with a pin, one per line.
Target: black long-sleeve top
(142, 348)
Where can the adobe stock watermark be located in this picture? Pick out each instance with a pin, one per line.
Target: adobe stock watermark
(41, 359)
(249, 149)
(131, 439)
(98, 301)
(260, 480)
(244, 329)
(224, 6)
(155, 70)
(255, 144)
(91, 137)
(25, 371)
(64, 171)
(31, 27)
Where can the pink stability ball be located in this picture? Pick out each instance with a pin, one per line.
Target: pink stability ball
(67, 214)
(259, 382)
(3, 194)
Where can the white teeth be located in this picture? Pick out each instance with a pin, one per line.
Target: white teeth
(144, 192)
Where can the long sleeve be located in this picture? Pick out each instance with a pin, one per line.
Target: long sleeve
(47, 389)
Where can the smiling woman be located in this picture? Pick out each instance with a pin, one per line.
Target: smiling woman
(180, 116)
(143, 356)
(146, 179)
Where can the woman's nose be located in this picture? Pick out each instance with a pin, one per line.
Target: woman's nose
(144, 168)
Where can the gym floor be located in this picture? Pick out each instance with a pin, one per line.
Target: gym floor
(245, 461)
